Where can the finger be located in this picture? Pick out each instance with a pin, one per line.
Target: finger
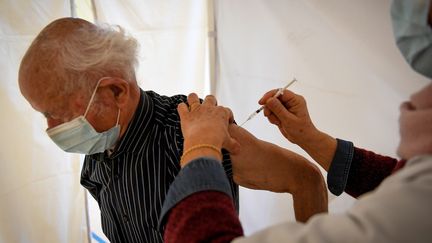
(231, 145)
(266, 96)
(242, 136)
(193, 99)
(233, 129)
(279, 110)
(193, 106)
(290, 99)
(267, 112)
(286, 94)
(274, 120)
(271, 117)
(406, 106)
(230, 115)
(182, 109)
(210, 100)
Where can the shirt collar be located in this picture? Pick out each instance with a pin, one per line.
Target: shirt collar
(140, 123)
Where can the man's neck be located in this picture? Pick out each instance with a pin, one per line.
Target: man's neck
(129, 111)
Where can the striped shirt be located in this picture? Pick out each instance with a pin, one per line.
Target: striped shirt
(131, 183)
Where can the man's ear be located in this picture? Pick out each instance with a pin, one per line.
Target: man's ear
(120, 89)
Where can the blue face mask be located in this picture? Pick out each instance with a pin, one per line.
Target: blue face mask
(79, 136)
(413, 33)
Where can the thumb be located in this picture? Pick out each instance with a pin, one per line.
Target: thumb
(278, 109)
(182, 109)
(231, 145)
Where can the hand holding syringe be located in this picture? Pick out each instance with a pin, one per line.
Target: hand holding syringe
(278, 93)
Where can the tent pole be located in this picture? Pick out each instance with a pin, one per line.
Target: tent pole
(87, 216)
(95, 16)
(212, 46)
(73, 8)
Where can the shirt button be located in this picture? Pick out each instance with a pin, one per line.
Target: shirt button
(125, 218)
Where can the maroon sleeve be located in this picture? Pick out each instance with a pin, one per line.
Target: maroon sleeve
(207, 216)
(368, 170)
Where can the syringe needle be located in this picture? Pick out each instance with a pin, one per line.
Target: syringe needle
(278, 93)
(252, 115)
(244, 122)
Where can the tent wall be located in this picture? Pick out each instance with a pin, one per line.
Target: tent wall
(40, 196)
(173, 41)
(348, 67)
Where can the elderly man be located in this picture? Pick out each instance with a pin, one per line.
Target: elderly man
(81, 77)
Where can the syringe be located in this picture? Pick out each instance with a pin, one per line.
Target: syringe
(278, 93)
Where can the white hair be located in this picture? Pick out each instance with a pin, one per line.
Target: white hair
(73, 54)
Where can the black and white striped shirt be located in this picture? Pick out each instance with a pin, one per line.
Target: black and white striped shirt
(130, 184)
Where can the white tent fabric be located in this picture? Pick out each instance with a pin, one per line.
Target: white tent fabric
(173, 41)
(40, 196)
(348, 67)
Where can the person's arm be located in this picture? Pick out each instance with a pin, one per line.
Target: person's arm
(205, 132)
(368, 170)
(265, 166)
(198, 206)
(198, 219)
(350, 169)
(357, 171)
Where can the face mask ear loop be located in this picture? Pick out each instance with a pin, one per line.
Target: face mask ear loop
(118, 117)
(93, 95)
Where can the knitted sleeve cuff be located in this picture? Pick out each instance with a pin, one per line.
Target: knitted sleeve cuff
(337, 175)
(201, 174)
